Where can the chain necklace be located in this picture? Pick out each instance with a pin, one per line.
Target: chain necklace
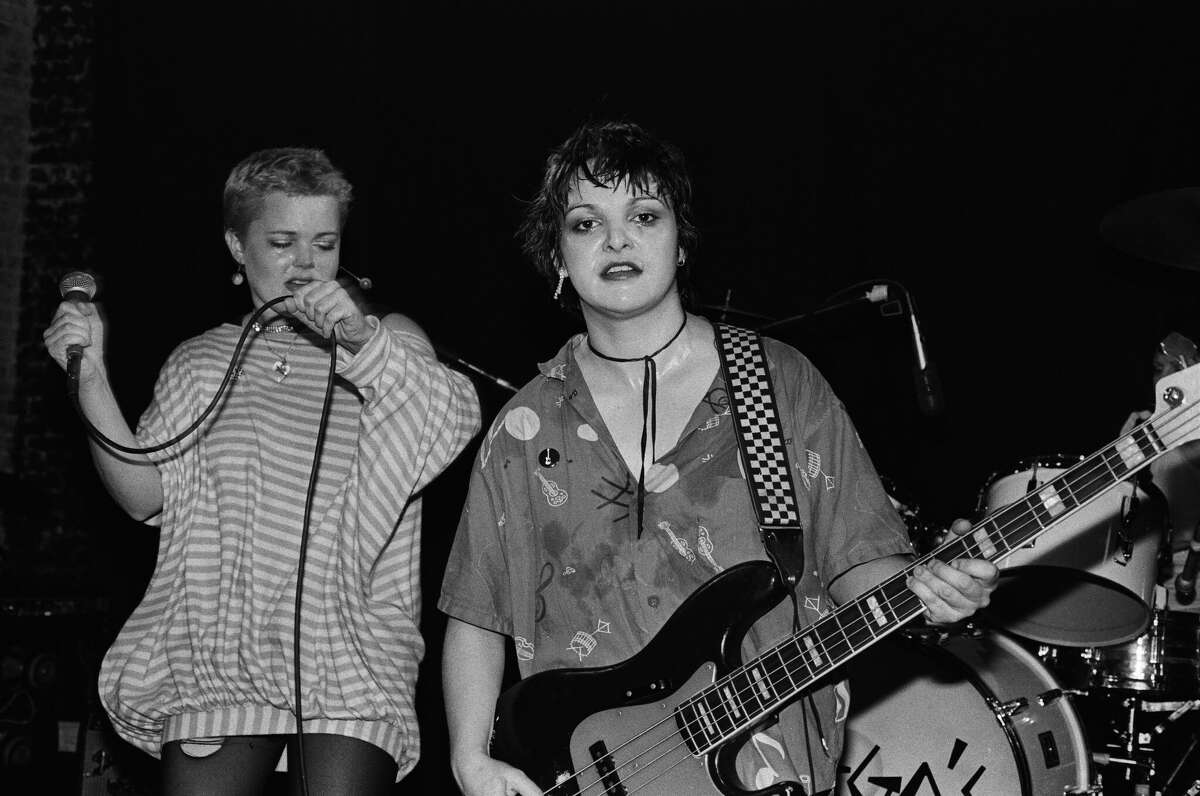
(281, 366)
(276, 329)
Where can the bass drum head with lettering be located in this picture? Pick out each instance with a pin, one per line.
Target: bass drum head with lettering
(921, 721)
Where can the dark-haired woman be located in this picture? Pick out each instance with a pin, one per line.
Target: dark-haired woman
(609, 488)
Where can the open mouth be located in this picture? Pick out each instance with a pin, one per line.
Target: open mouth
(292, 284)
(620, 270)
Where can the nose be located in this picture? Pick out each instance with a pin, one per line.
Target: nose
(618, 237)
(305, 257)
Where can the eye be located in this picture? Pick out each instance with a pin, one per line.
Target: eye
(585, 225)
(645, 218)
(326, 245)
(279, 244)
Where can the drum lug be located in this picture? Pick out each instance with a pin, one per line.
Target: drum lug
(1011, 708)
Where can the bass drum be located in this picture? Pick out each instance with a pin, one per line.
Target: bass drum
(1089, 580)
(963, 717)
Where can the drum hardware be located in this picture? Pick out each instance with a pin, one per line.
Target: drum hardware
(1159, 729)
(1054, 694)
(995, 721)
(1010, 708)
(1091, 582)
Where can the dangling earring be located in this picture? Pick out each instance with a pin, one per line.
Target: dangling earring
(238, 276)
(562, 277)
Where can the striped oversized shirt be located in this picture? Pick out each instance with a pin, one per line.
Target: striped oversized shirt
(208, 651)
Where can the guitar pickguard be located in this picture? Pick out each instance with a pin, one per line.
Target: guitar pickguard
(631, 749)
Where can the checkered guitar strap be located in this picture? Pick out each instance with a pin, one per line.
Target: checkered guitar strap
(761, 444)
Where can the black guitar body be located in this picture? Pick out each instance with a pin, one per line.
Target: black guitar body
(611, 730)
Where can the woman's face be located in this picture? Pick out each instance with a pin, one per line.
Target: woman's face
(295, 239)
(620, 248)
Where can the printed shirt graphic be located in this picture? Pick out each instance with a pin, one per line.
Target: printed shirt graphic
(550, 555)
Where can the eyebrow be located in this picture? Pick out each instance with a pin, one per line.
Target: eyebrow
(640, 198)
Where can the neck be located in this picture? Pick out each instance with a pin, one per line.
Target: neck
(635, 336)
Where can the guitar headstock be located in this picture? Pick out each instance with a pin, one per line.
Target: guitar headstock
(1176, 396)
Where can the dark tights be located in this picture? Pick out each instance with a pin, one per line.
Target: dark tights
(242, 766)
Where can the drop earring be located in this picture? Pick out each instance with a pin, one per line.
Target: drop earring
(238, 277)
(562, 277)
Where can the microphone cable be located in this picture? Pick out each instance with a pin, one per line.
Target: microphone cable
(322, 427)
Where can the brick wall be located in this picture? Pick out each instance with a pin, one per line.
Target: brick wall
(16, 59)
(46, 514)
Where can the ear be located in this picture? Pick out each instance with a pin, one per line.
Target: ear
(235, 246)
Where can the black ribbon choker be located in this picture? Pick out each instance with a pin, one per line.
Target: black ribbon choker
(649, 410)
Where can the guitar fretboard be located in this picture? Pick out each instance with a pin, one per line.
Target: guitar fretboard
(767, 683)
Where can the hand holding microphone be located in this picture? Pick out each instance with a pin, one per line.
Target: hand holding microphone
(75, 319)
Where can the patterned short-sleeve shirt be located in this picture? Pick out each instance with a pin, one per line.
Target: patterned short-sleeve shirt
(548, 550)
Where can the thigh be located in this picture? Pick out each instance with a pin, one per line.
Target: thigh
(240, 766)
(338, 765)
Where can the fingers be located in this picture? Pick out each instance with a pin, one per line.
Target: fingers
(322, 306)
(1133, 419)
(71, 325)
(953, 592)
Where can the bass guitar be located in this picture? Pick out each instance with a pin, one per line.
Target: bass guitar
(670, 719)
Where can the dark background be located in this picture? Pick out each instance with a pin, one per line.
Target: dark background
(966, 150)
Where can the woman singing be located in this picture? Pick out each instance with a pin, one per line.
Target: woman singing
(203, 672)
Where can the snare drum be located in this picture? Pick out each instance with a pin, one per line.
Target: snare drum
(960, 718)
(1088, 581)
(1163, 663)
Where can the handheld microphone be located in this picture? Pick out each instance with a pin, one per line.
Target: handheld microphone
(1185, 581)
(925, 375)
(78, 287)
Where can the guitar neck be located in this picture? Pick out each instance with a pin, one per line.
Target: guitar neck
(773, 679)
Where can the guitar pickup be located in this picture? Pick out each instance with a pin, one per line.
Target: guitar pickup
(607, 770)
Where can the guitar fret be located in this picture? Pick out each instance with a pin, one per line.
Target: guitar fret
(1146, 442)
(742, 684)
(798, 662)
(1114, 460)
(732, 702)
(813, 651)
(764, 690)
(783, 667)
(1016, 527)
(854, 615)
(1086, 480)
(1035, 510)
(896, 593)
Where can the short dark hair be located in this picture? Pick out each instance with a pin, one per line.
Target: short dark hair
(606, 153)
(293, 171)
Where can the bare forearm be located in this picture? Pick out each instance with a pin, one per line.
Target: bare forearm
(132, 479)
(472, 669)
(859, 579)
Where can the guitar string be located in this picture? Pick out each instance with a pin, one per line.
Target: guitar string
(907, 600)
(1093, 465)
(1161, 426)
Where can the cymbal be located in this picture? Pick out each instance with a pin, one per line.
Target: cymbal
(1160, 227)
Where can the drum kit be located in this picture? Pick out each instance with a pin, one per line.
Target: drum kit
(1078, 678)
